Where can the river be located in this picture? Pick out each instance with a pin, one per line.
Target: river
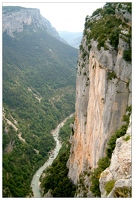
(35, 184)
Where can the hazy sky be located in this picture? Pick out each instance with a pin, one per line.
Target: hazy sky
(64, 16)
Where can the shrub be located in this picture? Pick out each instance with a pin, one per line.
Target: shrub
(123, 192)
(89, 47)
(106, 47)
(81, 47)
(96, 12)
(127, 55)
(101, 43)
(88, 24)
(103, 163)
(126, 118)
(129, 109)
(83, 65)
(114, 38)
(112, 141)
(84, 54)
(109, 10)
(127, 138)
(95, 182)
(111, 75)
(119, 133)
(109, 186)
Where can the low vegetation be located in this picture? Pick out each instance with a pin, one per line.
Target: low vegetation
(126, 138)
(103, 163)
(120, 132)
(107, 27)
(123, 192)
(111, 75)
(127, 55)
(31, 70)
(109, 186)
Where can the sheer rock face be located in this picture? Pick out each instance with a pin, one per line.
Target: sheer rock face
(15, 21)
(120, 168)
(101, 103)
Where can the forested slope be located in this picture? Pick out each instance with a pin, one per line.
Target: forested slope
(38, 92)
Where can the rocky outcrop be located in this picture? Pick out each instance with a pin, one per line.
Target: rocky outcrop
(48, 194)
(124, 13)
(120, 169)
(103, 92)
(14, 19)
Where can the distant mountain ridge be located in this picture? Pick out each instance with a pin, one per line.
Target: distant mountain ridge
(15, 18)
(73, 38)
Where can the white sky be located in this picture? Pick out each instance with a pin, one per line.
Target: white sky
(64, 16)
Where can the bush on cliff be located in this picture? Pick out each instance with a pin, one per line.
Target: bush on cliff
(103, 163)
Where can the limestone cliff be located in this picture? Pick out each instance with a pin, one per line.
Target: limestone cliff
(15, 19)
(103, 86)
(120, 170)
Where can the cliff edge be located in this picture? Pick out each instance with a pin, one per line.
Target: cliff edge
(103, 86)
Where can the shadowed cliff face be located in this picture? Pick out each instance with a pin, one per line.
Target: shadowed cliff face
(103, 92)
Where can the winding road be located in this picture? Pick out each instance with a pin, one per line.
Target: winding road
(35, 184)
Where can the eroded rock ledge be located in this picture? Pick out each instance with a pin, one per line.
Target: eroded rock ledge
(120, 170)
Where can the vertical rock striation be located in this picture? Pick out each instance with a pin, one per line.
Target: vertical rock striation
(103, 92)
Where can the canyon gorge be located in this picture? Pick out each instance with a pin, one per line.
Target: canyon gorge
(40, 72)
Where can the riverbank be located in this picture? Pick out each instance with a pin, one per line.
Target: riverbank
(35, 184)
